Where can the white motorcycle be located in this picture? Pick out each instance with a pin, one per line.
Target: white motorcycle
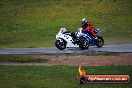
(66, 39)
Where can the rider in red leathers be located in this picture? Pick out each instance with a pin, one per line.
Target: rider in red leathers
(88, 28)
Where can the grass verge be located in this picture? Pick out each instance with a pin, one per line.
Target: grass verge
(56, 76)
(34, 23)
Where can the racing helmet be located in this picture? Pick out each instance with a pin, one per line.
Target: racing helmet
(84, 21)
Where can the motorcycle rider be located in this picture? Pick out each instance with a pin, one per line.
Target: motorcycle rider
(87, 27)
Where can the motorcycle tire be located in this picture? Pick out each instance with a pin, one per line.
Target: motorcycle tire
(60, 44)
(99, 42)
(84, 44)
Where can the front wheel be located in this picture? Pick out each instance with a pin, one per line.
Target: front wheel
(99, 42)
(84, 44)
(60, 44)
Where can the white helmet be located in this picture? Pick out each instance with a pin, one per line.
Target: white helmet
(84, 20)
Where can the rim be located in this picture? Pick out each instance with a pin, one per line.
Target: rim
(100, 42)
(60, 44)
(85, 44)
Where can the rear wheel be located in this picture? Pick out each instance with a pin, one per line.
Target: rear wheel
(99, 42)
(84, 44)
(60, 44)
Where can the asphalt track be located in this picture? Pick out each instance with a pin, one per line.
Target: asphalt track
(123, 48)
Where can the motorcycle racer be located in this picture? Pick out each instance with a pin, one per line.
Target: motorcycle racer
(87, 27)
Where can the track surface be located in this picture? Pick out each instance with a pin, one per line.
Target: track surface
(52, 50)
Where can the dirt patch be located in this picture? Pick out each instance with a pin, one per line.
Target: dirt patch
(119, 59)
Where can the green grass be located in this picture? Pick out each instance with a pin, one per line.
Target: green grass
(21, 59)
(34, 23)
(56, 76)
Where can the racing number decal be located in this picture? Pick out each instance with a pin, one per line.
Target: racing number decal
(66, 36)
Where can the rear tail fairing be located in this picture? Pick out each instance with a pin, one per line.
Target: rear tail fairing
(96, 31)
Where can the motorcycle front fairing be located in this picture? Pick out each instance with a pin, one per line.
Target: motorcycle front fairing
(87, 36)
(67, 37)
